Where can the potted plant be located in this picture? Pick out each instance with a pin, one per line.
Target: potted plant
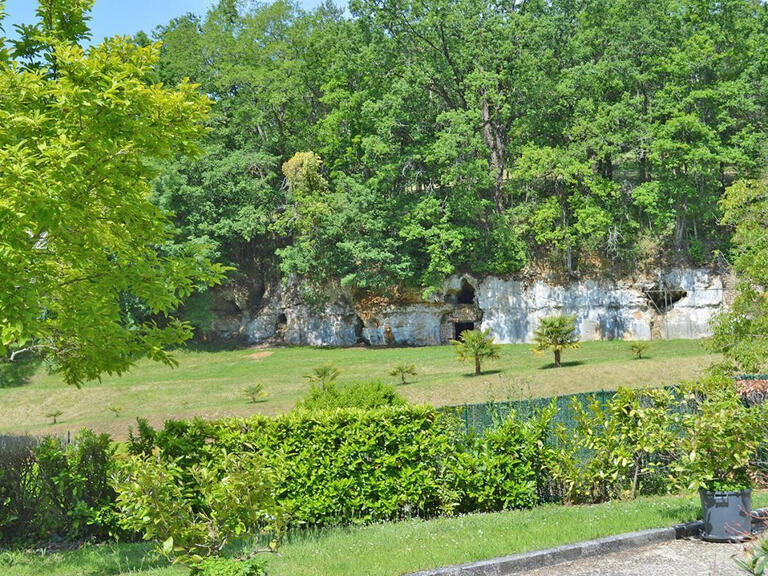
(720, 437)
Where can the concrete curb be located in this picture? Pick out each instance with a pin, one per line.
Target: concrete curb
(517, 563)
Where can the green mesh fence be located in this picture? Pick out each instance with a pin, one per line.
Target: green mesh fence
(478, 418)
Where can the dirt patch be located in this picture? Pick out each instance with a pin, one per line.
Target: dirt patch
(260, 354)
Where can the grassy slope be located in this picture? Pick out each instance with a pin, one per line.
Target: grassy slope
(397, 548)
(210, 384)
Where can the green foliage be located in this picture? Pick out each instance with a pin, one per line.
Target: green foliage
(50, 488)
(402, 371)
(723, 436)
(218, 566)
(755, 560)
(82, 132)
(621, 447)
(194, 513)
(76, 480)
(475, 345)
(639, 348)
(454, 138)
(366, 394)
(556, 333)
(742, 332)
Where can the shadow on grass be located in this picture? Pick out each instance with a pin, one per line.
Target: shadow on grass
(562, 364)
(18, 373)
(483, 373)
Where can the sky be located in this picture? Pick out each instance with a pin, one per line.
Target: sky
(111, 17)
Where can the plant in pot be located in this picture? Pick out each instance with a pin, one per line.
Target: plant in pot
(720, 437)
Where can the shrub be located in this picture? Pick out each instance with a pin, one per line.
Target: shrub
(20, 493)
(324, 374)
(193, 514)
(620, 447)
(506, 468)
(402, 371)
(348, 466)
(371, 394)
(639, 348)
(256, 393)
(49, 487)
(723, 436)
(76, 483)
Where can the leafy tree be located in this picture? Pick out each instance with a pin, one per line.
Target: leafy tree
(556, 333)
(79, 139)
(402, 371)
(742, 332)
(475, 345)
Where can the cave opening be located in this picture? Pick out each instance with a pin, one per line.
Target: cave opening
(663, 299)
(282, 322)
(359, 325)
(459, 327)
(466, 294)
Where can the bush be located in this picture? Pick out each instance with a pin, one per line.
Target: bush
(193, 514)
(20, 491)
(348, 466)
(49, 487)
(330, 396)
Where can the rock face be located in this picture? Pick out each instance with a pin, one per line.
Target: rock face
(678, 303)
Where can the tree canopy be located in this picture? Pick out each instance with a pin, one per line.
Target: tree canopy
(467, 135)
(83, 131)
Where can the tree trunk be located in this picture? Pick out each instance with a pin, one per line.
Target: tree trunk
(557, 358)
(492, 136)
(477, 366)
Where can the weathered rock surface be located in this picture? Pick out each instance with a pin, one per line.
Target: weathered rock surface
(678, 303)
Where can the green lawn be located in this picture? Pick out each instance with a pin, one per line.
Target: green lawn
(210, 384)
(395, 548)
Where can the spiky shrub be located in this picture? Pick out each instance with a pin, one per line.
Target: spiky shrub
(556, 333)
(324, 374)
(474, 345)
(256, 393)
(639, 348)
(402, 371)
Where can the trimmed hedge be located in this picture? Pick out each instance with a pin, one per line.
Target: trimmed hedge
(353, 466)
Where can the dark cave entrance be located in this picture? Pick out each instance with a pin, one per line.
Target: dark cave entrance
(282, 322)
(663, 299)
(466, 294)
(459, 327)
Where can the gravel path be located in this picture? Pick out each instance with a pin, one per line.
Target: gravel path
(687, 557)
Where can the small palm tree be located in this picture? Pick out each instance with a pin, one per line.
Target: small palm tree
(323, 375)
(403, 371)
(54, 415)
(556, 333)
(475, 345)
(256, 393)
(639, 348)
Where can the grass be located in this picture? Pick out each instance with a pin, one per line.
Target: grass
(396, 548)
(211, 384)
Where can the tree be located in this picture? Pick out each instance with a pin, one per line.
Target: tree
(402, 371)
(557, 333)
(639, 348)
(741, 333)
(82, 131)
(323, 375)
(475, 345)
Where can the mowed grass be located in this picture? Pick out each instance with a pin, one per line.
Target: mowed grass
(210, 384)
(393, 549)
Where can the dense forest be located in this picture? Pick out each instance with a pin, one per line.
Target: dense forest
(394, 142)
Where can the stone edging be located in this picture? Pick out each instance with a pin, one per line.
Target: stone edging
(517, 563)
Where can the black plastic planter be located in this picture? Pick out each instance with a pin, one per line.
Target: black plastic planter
(727, 515)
